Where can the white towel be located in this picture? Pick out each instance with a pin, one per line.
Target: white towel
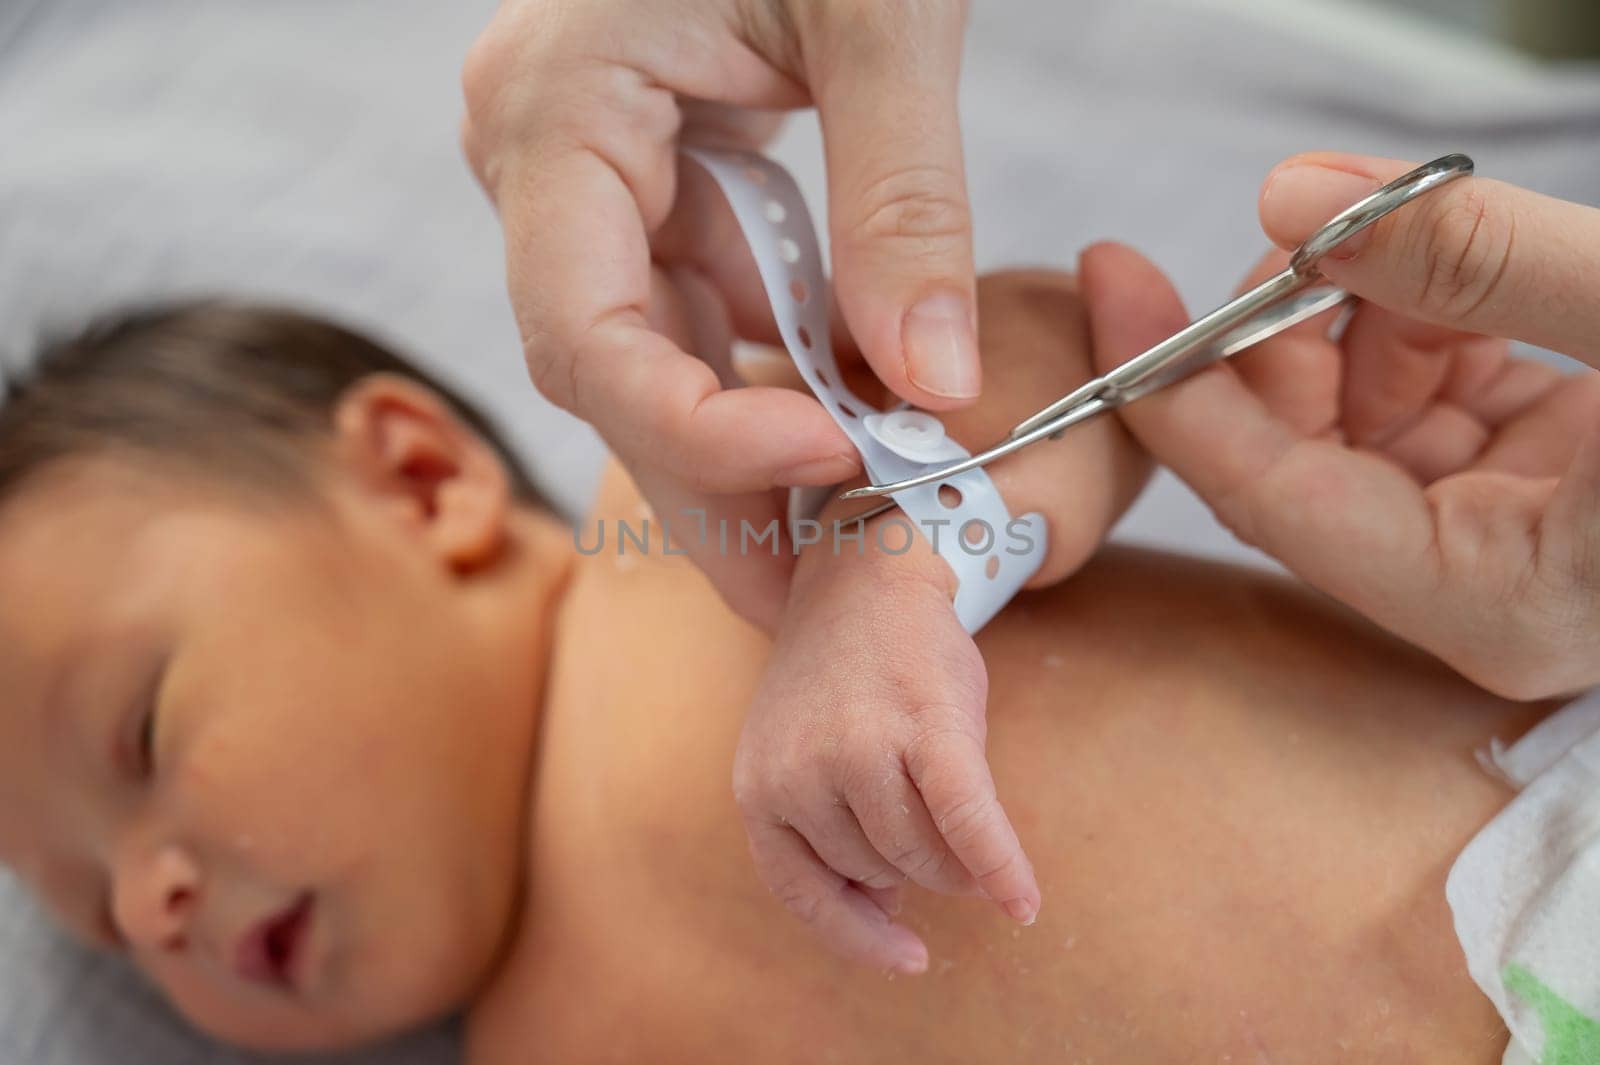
(1526, 893)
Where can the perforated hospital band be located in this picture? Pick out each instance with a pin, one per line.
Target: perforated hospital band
(991, 566)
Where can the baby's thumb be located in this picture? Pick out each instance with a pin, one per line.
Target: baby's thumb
(1475, 255)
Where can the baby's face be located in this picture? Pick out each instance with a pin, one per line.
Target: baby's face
(275, 752)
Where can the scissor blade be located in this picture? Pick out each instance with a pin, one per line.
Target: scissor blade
(1294, 311)
(1083, 412)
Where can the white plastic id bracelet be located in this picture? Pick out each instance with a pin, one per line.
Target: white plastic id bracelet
(963, 517)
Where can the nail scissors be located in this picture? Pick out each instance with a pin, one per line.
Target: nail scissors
(1282, 302)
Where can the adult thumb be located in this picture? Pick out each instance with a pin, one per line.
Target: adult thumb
(1477, 255)
(884, 78)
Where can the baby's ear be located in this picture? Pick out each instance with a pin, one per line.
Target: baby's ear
(406, 447)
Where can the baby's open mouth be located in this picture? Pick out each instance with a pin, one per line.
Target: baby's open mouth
(269, 951)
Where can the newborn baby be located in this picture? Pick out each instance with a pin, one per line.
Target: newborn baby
(315, 709)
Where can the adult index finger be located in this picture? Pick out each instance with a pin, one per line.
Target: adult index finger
(579, 267)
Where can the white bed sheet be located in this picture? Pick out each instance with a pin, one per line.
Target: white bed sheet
(306, 151)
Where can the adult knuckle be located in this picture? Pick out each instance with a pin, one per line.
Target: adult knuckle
(525, 43)
(1547, 647)
(482, 71)
(837, 24)
(901, 32)
(678, 453)
(471, 149)
(1284, 499)
(1514, 676)
(1465, 245)
(553, 371)
(671, 428)
(491, 61)
(919, 204)
(1512, 657)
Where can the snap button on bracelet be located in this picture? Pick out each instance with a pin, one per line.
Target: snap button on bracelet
(912, 429)
(914, 435)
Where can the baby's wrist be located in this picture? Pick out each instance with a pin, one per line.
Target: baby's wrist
(887, 546)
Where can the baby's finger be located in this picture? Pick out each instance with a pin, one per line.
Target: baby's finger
(846, 917)
(833, 832)
(952, 774)
(886, 899)
(894, 816)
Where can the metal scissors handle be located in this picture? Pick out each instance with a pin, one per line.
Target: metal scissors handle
(1280, 303)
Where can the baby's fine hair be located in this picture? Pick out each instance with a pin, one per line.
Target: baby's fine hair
(235, 389)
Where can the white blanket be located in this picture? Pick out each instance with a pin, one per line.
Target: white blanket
(307, 151)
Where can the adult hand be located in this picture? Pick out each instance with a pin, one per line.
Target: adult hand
(1411, 467)
(574, 115)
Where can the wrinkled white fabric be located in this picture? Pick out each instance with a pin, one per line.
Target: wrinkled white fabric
(1526, 891)
(307, 151)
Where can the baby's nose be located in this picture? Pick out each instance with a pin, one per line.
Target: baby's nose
(154, 898)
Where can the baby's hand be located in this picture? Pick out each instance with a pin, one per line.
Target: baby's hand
(862, 762)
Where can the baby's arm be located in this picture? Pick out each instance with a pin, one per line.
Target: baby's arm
(862, 761)
(1037, 345)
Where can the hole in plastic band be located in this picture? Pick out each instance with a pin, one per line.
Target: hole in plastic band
(788, 251)
(991, 569)
(775, 212)
(805, 337)
(797, 289)
(950, 496)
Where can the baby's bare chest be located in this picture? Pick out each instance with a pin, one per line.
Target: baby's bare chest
(1192, 911)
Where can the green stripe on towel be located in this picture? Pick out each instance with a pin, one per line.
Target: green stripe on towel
(1570, 1036)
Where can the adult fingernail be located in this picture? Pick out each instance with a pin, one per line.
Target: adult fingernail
(1022, 910)
(830, 470)
(1299, 200)
(941, 345)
